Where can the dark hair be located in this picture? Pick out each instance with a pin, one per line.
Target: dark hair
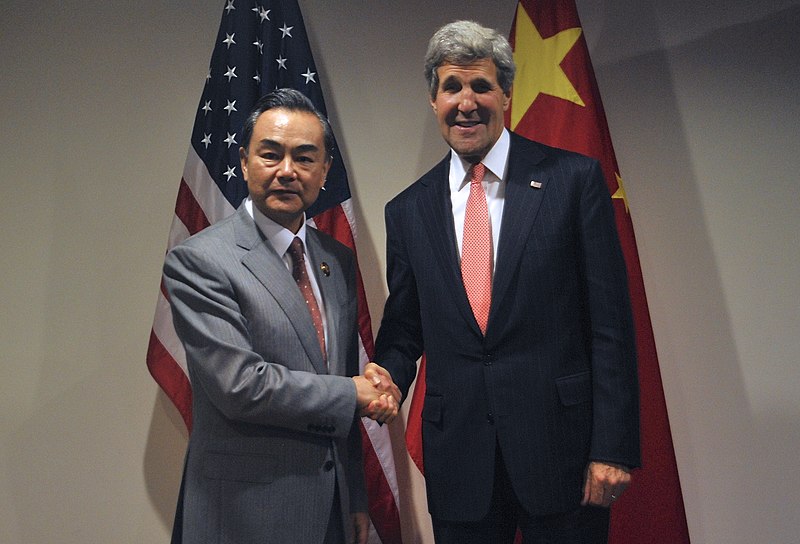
(287, 99)
(462, 42)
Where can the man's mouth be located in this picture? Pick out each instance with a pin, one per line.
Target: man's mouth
(284, 192)
(467, 124)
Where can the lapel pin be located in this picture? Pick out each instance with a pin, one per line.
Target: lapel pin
(536, 184)
(325, 268)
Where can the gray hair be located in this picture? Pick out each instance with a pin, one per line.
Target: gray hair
(291, 100)
(462, 42)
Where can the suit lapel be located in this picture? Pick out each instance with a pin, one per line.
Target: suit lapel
(437, 215)
(331, 286)
(270, 269)
(522, 201)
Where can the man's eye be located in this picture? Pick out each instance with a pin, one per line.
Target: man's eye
(450, 87)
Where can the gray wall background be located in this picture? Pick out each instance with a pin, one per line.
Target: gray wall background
(97, 100)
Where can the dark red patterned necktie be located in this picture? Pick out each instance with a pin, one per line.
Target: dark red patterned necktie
(300, 275)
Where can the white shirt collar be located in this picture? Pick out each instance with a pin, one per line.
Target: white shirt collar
(280, 237)
(495, 161)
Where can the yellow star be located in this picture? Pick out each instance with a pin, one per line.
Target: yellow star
(538, 69)
(620, 192)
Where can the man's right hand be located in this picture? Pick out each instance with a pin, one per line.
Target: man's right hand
(380, 378)
(376, 394)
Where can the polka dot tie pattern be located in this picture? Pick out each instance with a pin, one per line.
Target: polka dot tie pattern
(476, 249)
(300, 275)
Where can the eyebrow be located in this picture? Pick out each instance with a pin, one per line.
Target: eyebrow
(470, 82)
(302, 148)
(449, 79)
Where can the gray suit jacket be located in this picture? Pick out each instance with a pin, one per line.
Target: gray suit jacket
(273, 430)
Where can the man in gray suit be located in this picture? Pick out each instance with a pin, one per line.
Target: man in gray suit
(266, 310)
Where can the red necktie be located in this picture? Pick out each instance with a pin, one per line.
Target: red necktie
(300, 275)
(476, 250)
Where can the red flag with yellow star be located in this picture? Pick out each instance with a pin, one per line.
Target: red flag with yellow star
(555, 101)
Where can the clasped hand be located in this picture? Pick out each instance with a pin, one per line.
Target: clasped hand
(377, 396)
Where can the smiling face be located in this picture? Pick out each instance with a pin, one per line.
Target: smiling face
(285, 164)
(469, 106)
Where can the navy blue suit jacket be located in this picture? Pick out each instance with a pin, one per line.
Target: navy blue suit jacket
(554, 380)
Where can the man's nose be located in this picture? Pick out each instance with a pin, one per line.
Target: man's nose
(286, 168)
(466, 101)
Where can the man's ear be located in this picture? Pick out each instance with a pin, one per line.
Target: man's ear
(327, 168)
(507, 99)
(243, 160)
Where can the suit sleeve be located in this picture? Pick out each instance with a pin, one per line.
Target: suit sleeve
(355, 470)
(355, 465)
(615, 435)
(399, 343)
(237, 380)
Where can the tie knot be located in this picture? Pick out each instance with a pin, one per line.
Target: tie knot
(478, 170)
(298, 260)
(296, 248)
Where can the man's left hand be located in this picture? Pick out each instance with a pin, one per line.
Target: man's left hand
(360, 527)
(604, 483)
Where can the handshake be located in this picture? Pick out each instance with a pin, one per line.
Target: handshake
(377, 397)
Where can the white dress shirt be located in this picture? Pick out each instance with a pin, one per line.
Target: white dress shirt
(494, 185)
(281, 238)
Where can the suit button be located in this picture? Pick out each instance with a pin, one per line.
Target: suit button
(328, 466)
(490, 418)
(487, 359)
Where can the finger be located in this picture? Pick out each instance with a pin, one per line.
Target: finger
(371, 374)
(361, 529)
(392, 408)
(601, 498)
(597, 493)
(386, 385)
(395, 392)
(381, 409)
(595, 496)
(389, 405)
(381, 378)
(587, 490)
(378, 405)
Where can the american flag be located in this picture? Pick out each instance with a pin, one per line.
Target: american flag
(262, 46)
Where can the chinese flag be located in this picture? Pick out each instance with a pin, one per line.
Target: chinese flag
(555, 101)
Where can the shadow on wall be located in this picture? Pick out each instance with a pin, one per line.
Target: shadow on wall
(729, 81)
(163, 458)
(83, 474)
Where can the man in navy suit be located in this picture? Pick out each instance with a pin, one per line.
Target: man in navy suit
(531, 415)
